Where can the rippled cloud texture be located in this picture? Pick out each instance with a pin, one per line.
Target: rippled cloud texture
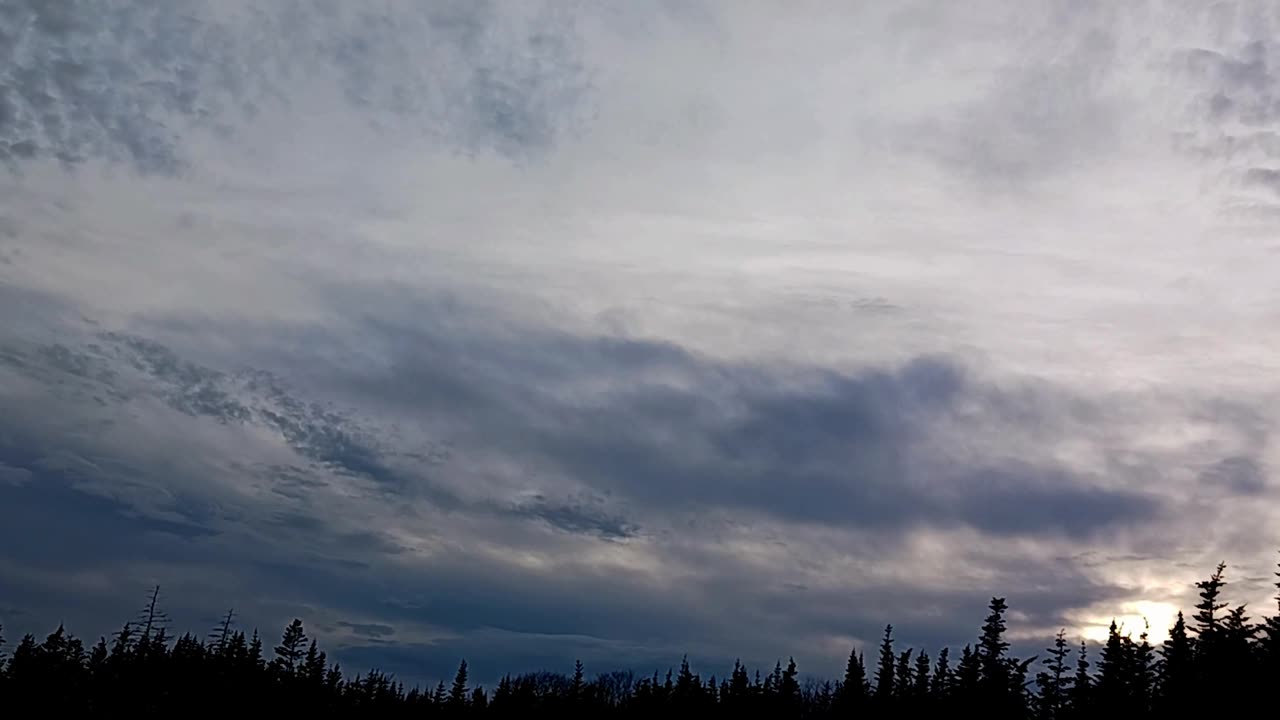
(535, 331)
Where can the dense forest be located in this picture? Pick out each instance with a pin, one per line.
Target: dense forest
(1216, 661)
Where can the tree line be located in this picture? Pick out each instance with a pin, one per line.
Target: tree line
(1217, 661)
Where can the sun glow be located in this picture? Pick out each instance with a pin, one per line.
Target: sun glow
(1154, 617)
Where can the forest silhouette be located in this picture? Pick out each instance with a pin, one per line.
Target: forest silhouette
(1217, 661)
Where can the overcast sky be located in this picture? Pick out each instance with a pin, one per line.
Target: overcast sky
(619, 330)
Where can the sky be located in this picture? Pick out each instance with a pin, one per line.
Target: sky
(537, 331)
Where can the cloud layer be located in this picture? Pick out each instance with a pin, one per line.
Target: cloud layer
(619, 332)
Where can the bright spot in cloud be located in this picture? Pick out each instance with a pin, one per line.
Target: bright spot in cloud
(1153, 616)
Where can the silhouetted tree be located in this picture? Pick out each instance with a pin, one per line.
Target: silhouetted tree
(151, 618)
(885, 669)
(578, 686)
(942, 678)
(789, 688)
(1054, 682)
(1143, 674)
(1206, 615)
(1081, 694)
(142, 671)
(1176, 669)
(1113, 672)
(852, 695)
(458, 693)
(1269, 642)
(221, 635)
(290, 650)
(995, 680)
(921, 689)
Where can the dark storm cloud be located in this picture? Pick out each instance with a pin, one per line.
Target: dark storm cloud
(799, 444)
(373, 630)
(577, 516)
(796, 444)
(673, 433)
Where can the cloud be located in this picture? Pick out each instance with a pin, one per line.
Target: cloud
(372, 630)
(619, 332)
(505, 81)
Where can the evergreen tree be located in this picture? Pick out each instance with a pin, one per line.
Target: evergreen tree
(1236, 660)
(1176, 668)
(151, 618)
(290, 650)
(904, 684)
(576, 689)
(968, 673)
(221, 635)
(942, 679)
(789, 687)
(98, 657)
(1113, 673)
(458, 693)
(995, 679)
(1144, 674)
(142, 671)
(688, 686)
(1269, 643)
(254, 660)
(739, 689)
(1081, 694)
(922, 681)
(1054, 682)
(852, 695)
(313, 665)
(884, 671)
(992, 646)
(1206, 615)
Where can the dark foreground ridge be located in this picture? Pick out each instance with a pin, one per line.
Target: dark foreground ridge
(1216, 662)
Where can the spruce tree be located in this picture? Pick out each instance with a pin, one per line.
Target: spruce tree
(853, 689)
(903, 683)
(1269, 643)
(458, 693)
(1116, 675)
(1081, 704)
(1206, 616)
(789, 687)
(221, 635)
(884, 671)
(1176, 668)
(1237, 660)
(995, 684)
(313, 665)
(1054, 682)
(942, 679)
(992, 645)
(968, 673)
(1144, 673)
(739, 685)
(254, 659)
(922, 684)
(289, 652)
